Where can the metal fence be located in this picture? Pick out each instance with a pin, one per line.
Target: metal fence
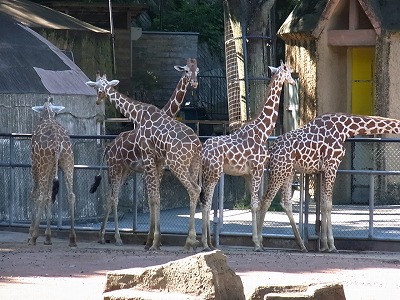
(366, 200)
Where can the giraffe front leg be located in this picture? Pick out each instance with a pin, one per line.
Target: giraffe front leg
(254, 182)
(194, 193)
(327, 241)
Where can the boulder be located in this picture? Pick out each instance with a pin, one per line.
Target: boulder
(319, 291)
(201, 276)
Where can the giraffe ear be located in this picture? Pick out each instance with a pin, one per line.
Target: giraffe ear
(273, 69)
(91, 83)
(113, 82)
(38, 108)
(57, 108)
(179, 68)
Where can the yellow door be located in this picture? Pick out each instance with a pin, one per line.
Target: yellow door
(362, 85)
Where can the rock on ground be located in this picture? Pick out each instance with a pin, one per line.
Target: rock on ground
(204, 276)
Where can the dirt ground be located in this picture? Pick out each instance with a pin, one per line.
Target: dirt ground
(59, 272)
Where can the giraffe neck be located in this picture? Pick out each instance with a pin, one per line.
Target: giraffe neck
(130, 108)
(265, 122)
(365, 125)
(175, 102)
(346, 125)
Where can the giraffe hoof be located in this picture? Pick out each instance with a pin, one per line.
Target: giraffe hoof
(206, 249)
(154, 248)
(31, 242)
(47, 243)
(304, 250)
(119, 243)
(102, 241)
(258, 249)
(333, 250)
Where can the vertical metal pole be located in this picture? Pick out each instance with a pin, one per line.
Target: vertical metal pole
(301, 211)
(221, 202)
(371, 206)
(306, 209)
(135, 202)
(215, 202)
(112, 36)
(246, 83)
(318, 210)
(12, 181)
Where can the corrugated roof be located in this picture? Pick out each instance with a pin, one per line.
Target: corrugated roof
(308, 15)
(31, 64)
(35, 15)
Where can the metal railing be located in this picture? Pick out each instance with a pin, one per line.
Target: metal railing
(366, 202)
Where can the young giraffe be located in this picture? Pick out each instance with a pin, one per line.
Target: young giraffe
(161, 140)
(316, 148)
(51, 148)
(124, 157)
(242, 153)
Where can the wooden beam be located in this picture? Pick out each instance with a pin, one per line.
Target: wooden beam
(353, 15)
(359, 37)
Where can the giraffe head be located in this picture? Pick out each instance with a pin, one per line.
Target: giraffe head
(191, 70)
(102, 85)
(48, 110)
(284, 71)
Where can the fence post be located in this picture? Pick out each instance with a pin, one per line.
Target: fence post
(318, 210)
(135, 202)
(371, 206)
(12, 180)
(301, 209)
(306, 208)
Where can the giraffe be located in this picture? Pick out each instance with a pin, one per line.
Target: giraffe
(242, 153)
(51, 149)
(161, 140)
(316, 148)
(123, 156)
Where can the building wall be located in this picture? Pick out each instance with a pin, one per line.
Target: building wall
(92, 51)
(332, 88)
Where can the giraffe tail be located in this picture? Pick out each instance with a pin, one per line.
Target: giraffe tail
(97, 178)
(56, 182)
(56, 187)
(202, 198)
(96, 183)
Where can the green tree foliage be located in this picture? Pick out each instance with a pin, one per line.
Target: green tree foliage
(203, 16)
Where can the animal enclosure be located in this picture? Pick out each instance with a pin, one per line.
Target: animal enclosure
(366, 202)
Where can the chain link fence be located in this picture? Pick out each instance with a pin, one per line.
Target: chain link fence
(366, 199)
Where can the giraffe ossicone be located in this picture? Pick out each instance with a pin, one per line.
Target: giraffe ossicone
(51, 149)
(162, 140)
(123, 156)
(242, 153)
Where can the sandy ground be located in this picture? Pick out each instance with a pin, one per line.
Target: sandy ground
(59, 272)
